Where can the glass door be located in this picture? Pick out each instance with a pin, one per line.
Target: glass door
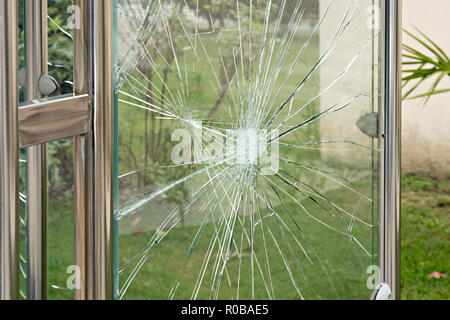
(46, 211)
(247, 138)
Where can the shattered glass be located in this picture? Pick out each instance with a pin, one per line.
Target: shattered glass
(246, 170)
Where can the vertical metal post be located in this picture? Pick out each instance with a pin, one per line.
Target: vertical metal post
(94, 74)
(36, 66)
(9, 150)
(390, 163)
(103, 136)
(83, 80)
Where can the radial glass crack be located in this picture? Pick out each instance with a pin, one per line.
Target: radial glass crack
(243, 173)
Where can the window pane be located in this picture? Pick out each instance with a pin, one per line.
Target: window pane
(247, 139)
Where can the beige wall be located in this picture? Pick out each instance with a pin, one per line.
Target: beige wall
(358, 79)
(426, 130)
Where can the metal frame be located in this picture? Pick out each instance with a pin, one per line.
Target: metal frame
(36, 66)
(94, 147)
(54, 120)
(94, 152)
(9, 152)
(390, 146)
(83, 80)
(103, 136)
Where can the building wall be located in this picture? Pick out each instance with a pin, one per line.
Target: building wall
(426, 130)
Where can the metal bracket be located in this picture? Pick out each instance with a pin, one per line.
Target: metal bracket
(47, 85)
(368, 124)
(54, 120)
(382, 292)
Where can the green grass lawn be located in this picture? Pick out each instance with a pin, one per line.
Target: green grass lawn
(344, 262)
(425, 237)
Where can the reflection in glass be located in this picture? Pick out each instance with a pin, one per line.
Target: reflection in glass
(243, 173)
(61, 203)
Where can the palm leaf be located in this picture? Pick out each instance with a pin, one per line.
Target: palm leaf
(434, 44)
(437, 61)
(424, 95)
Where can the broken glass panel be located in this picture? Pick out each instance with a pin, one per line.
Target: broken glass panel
(246, 149)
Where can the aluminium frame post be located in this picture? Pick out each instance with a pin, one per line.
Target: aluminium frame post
(103, 141)
(36, 66)
(9, 152)
(94, 152)
(390, 145)
(83, 155)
